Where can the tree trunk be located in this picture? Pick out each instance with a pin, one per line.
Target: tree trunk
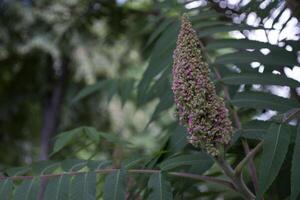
(52, 108)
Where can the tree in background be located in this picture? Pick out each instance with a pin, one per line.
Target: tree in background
(121, 122)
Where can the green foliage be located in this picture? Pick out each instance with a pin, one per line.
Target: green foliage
(108, 89)
(160, 187)
(275, 147)
(114, 186)
(295, 181)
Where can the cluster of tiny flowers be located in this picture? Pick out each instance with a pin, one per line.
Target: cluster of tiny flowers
(199, 108)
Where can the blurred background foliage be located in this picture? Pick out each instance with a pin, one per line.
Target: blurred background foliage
(107, 64)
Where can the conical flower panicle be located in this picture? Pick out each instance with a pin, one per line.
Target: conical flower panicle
(199, 108)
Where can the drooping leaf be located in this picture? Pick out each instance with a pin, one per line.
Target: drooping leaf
(65, 138)
(276, 58)
(224, 28)
(96, 165)
(160, 188)
(166, 102)
(114, 186)
(263, 79)
(83, 187)
(178, 139)
(6, 187)
(160, 59)
(27, 190)
(44, 167)
(261, 100)
(200, 159)
(238, 44)
(275, 147)
(254, 130)
(161, 27)
(295, 171)
(58, 188)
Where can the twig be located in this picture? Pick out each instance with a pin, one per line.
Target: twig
(239, 184)
(251, 154)
(225, 183)
(251, 165)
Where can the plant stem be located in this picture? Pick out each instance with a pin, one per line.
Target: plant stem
(251, 154)
(251, 165)
(238, 182)
(225, 183)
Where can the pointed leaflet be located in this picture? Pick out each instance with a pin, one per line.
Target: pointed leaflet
(200, 159)
(159, 187)
(58, 188)
(295, 176)
(83, 187)
(114, 186)
(263, 100)
(275, 147)
(28, 189)
(257, 78)
(6, 187)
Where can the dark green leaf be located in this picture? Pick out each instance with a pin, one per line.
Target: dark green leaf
(114, 186)
(295, 171)
(58, 188)
(200, 159)
(159, 187)
(261, 100)
(6, 187)
(83, 187)
(27, 190)
(275, 147)
(263, 79)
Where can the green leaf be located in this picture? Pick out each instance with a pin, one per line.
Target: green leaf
(70, 165)
(27, 190)
(58, 188)
(200, 159)
(160, 28)
(88, 90)
(275, 147)
(83, 187)
(178, 139)
(237, 43)
(166, 102)
(295, 171)
(223, 29)
(276, 58)
(263, 79)
(160, 59)
(159, 187)
(254, 129)
(44, 167)
(96, 165)
(261, 100)
(64, 139)
(114, 186)
(6, 187)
